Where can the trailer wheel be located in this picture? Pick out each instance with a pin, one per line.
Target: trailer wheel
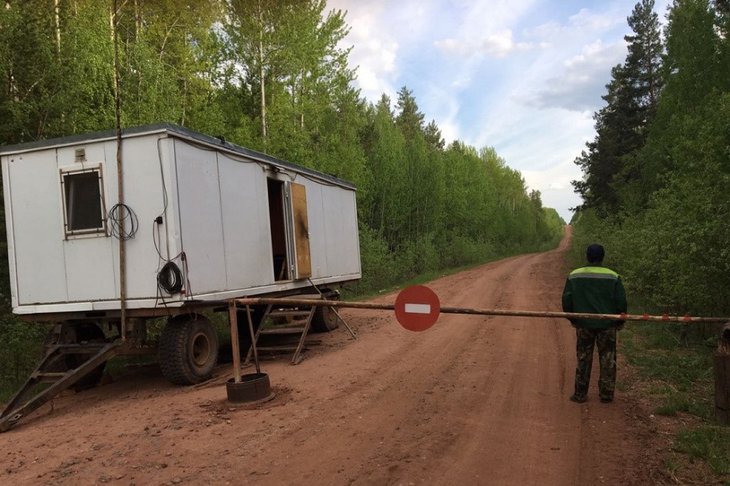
(88, 332)
(325, 319)
(188, 349)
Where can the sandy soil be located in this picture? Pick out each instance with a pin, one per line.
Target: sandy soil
(473, 400)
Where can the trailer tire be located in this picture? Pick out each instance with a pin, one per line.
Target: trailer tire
(91, 333)
(188, 349)
(253, 388)
(325, 319)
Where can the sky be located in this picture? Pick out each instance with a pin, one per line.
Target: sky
(522, 76)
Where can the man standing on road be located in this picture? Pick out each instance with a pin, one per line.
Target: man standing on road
(595, 289)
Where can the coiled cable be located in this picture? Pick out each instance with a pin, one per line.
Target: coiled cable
(170, 278)
(119, 213)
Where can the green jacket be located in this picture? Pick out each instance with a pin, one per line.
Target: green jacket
(594, 289)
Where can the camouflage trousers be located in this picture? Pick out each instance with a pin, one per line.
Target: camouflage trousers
(605, 340)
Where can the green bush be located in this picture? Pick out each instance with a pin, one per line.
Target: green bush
(377, 262)
(20, 353)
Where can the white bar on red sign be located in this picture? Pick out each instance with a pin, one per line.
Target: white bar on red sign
(418, 308)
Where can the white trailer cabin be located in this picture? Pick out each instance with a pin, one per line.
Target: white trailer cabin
(207, 221)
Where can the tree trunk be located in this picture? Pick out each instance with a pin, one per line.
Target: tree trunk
(112, 15)
(261, 72)
(263, 91)
(137, 21)
(137, 31)
(58, 27)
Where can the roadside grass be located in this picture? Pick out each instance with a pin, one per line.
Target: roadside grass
(353, 292)
(675, 366)
(21, 350)
(710, 443)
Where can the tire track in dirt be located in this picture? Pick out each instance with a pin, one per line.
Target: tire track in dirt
(473, 400)
(466, 358)
(408, 441)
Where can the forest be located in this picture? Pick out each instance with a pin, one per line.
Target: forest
(655, 193)
(656, 176)
(270, 75)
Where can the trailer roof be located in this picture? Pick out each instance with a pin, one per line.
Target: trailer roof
(172, 130)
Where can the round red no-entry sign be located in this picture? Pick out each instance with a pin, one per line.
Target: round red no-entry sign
(417, 308)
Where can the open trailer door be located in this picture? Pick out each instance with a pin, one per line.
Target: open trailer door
(297, 196)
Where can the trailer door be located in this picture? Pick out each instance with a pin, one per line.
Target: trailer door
(297, 209)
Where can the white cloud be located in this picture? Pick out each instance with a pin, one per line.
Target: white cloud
(460, 58)
(484, 28)
(376, 66)
(582, 80)
(477, 19)
(589, 21)
(554, 183)
(556, 186)
(451, 46)
(580, 26)
(446, 110)
(375, 48)
(498, 44)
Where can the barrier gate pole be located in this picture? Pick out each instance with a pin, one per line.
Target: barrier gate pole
(487, 312)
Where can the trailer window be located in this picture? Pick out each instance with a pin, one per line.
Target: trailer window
(83, 202)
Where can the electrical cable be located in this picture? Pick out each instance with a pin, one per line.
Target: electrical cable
(170, 278)
(162, 178)
(186, 273)
(119, 213)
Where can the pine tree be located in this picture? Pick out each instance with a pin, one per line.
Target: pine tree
(433, 136)
(409, 119)
(644, 61)
(617, 134)
(621, 126)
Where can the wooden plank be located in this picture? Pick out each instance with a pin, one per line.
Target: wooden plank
(235, 349)
(277, 348)
(283, 330)
(301, 231)
(13, 413)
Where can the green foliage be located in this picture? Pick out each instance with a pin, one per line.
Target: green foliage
(680, 366)
(675, 367)
(31, 71)
(377, 260)
(667, 233)
(475, 208)
(621, 126)
(21, 350)
(669, 237)
(709, 443)
(272, 76)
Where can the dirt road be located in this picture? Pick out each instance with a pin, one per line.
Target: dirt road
(473, 400)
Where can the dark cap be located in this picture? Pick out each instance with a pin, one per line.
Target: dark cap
(595, 253)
